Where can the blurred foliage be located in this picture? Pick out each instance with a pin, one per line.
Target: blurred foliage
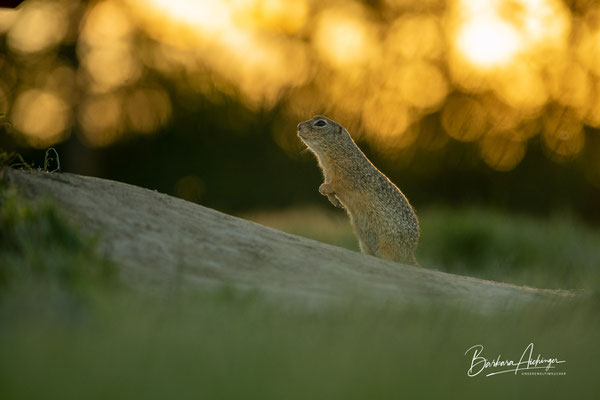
(312, 222)
(226, 344)
(461, 100)
(38, 246)
(557, 252)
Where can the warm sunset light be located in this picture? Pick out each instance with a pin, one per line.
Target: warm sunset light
(38, 27)
(42, 116)
(207, 17)
(492, 33)
(343, 40)
(477, 66)
(489, 43)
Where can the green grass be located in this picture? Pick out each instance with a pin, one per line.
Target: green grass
(37, 244)
(69, 330)
(216, 345)
(559, 252)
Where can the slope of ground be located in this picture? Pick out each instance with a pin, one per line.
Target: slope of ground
(161, 240)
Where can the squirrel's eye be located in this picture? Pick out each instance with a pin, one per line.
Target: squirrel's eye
(321, 123)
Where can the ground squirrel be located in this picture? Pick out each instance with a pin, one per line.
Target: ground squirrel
(382, 218)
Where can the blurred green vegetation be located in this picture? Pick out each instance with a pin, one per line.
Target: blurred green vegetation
(68, 329)
(37, 244)
(225, 344)
(555, 252)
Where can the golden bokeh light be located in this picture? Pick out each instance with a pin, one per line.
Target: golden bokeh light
(421, 84)
(345, 39)
(8, 16)
(415, 36)
(400, 6)
(304, 100)
(562, 134)
(111, 67)
(488, 42)
(501, 116)
(106, 21)
(464, 118)
(205, 17)
(492, 72)
(38, 26)
(42, 116)
(61, 79)
(147, 109)
(218, 35)
(522, 87)
(588, 41)
(386, 117)
(102, 119)
(493, 33)
(106, 49)
(570, 85)
(507, 46)
(501, 152)
(528, 128)
(343, 94)
(592, 116)
(284, 16)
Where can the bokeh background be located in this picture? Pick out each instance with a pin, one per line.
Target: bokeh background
(491, 102)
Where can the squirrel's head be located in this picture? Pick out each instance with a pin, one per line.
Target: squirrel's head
(323, 135)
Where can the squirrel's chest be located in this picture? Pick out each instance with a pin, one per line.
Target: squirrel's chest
(359, 204)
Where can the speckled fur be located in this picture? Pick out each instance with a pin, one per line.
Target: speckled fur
(383, 219)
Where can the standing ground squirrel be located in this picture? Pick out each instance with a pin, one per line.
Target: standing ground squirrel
(383, 219)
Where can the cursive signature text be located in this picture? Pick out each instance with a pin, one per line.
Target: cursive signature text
(525, 363)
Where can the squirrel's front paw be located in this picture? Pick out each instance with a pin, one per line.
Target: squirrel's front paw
(334, 200)
(327, 190)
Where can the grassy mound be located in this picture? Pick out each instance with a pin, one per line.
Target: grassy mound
(67, 330)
